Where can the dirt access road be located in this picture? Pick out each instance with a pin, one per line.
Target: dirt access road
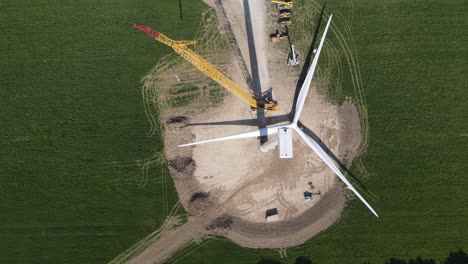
(238, 180)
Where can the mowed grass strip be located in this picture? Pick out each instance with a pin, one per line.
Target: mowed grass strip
(77, 181)
(412, 58)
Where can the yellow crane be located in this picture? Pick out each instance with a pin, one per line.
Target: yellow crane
(284, 3)
(204, 66)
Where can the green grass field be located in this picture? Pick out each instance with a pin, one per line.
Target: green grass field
(413, 61)
(80, 180)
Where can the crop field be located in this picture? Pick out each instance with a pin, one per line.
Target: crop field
(405, 64)
(81, 180)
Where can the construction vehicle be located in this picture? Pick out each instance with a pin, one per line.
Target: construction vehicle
(284, 21)
(293, 57)
(283, 3)
(276, 37)
(209, 70)
(285, 13)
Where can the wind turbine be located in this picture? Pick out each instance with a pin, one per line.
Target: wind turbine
(286, 140)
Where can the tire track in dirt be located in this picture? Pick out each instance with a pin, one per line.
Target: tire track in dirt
(194, 229)
(193, 247)
(141, 177)
(169, 224)
(347, 45)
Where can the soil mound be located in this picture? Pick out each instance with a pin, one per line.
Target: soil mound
(181, 164)
(177, 120)
(221, 225)
(199, 202)
(182, 167)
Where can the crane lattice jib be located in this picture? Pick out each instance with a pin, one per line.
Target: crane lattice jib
(214, 74)
(204, 66)
(283, 2)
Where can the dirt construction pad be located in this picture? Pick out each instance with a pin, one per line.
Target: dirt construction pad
(233, 182)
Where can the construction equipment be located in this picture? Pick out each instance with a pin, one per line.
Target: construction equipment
(283, 3)
(293, 57)
(209, 70)
(284, 21)
(285, 13)
(276, 37)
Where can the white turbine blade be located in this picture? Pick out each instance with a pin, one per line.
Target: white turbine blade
(308, 80)
(324, 156)
(256, 133)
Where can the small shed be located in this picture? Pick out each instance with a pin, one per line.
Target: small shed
(272, 215)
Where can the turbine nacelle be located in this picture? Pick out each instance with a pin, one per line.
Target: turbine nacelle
(284, 141)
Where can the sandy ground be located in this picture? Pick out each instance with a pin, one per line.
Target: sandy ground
(247, 181)
(237, 179)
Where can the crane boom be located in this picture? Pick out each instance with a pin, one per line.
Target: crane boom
(285, 3)
(204, 66)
